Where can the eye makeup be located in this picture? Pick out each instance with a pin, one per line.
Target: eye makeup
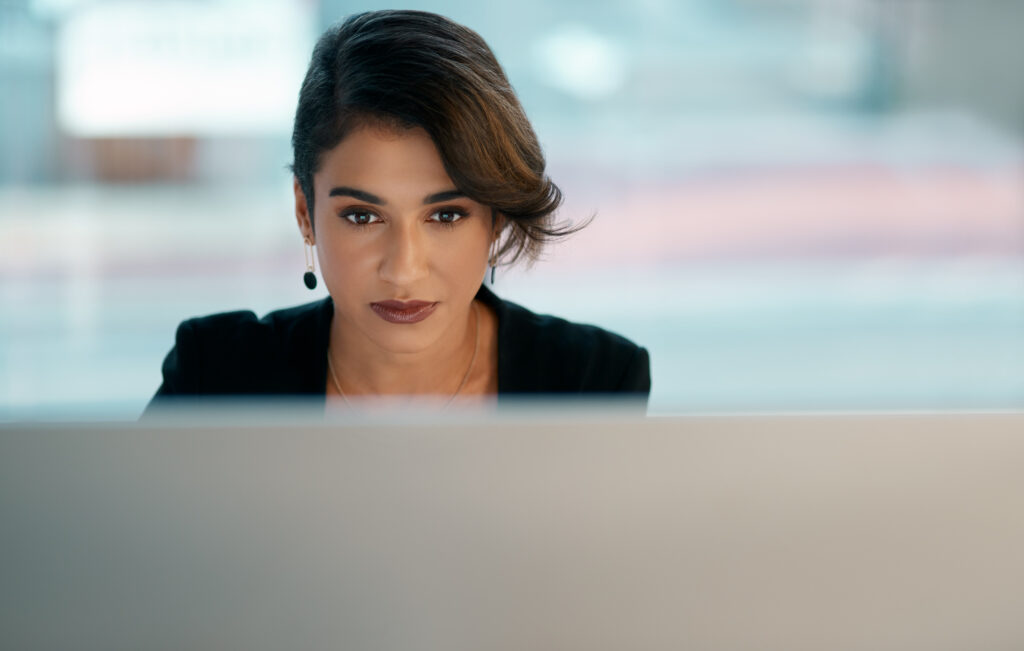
(361, 217)
(457, 215)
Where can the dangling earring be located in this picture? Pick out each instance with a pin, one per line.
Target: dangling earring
(309, 277)
(493, 262)
(497, 226)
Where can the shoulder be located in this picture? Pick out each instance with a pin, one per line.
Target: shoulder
(541, 353)
(243, 326)
(239, 353)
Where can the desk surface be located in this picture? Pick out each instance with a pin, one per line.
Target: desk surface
(586, 531)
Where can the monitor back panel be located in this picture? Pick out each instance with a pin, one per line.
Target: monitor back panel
(773, 532)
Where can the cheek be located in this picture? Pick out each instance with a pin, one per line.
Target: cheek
(472, 252)
(342, 259)
(458, 254)
(338, 243)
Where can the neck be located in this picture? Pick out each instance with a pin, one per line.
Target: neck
(364, 368)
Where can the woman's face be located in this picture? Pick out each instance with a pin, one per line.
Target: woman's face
(401, 251)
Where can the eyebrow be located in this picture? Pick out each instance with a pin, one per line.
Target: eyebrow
(447, 195)
(363, 195)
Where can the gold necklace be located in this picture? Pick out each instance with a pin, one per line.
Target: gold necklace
(465, 378)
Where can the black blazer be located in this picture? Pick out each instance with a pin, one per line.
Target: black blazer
(285, 353)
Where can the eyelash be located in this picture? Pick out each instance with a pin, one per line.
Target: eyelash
(462, 214)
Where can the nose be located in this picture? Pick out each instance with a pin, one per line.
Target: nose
(405, 256)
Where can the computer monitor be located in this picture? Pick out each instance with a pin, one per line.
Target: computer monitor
(548, 529)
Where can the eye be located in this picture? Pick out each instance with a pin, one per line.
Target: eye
(448, 216)
(361, 217)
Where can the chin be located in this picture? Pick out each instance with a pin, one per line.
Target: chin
(411, 338)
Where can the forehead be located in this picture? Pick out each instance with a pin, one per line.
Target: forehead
(385, 162)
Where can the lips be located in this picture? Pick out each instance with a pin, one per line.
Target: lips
(403, 311)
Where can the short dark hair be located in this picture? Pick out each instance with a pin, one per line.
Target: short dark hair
(404, 69)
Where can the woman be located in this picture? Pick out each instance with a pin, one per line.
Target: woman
(416, 171)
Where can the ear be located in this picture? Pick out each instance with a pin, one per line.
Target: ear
(302, 215)
(498, 223)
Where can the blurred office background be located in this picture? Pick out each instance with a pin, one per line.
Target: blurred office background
(801, 204)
